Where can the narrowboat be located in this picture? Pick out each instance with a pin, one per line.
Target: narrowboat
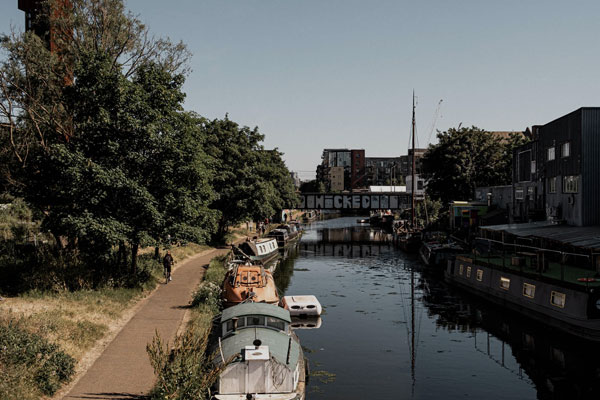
(436, 254)
(263, 250)
(285, 234)
(568, 300)
(409, 241)
(249, 283)
(260, 355)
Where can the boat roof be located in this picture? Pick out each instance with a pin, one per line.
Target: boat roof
(242, 310)
(578, 236)
(277, 341)
(263, 240)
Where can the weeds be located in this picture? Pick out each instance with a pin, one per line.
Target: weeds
(186, 370)
(30, 363)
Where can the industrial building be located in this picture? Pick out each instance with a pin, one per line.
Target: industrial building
(556, 176)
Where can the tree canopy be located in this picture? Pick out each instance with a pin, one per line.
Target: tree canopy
(466, 158)
(94, 135)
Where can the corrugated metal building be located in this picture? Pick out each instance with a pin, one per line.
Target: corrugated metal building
(557, 175)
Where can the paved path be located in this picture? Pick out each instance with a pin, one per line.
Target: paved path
(123, 370)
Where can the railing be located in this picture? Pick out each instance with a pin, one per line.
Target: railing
(549, 263)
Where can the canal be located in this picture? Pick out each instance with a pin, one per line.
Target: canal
(392, 330)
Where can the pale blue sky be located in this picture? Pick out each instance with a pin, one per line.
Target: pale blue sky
(316, 74)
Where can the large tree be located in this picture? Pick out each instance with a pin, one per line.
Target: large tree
(249, 181)
(94, 133)
(133, 172)
(466, 158)
(33, 109)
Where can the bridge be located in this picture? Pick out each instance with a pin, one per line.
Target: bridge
(356, 201)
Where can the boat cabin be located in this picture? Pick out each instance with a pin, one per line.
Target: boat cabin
(281, 235)
(260, 247)
(254, 315)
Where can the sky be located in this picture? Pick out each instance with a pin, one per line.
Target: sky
(315, 74)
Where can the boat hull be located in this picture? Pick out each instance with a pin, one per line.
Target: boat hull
(578, 316)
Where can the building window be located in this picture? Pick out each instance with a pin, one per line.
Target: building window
(419, 185)
(479, 275)
(531, 192)
(570, 184)
(566, 149)
(519, 193)
(552, 185)
(533, 166)
(504, 283)
(558, 299)
(550, 153)
(529, 290)
(468, 272)
(461, 269)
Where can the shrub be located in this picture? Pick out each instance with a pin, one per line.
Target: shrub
(49, 366)
(209, 294)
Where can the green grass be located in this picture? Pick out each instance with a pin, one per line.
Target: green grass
(30, 366)
(74, 321)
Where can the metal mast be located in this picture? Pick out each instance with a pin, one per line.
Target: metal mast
(413, 164)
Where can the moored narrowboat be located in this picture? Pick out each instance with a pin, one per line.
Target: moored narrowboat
(260, 355)
(263, 250)
(571, 305)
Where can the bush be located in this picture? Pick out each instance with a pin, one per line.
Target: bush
(209, 294)
(29, 355)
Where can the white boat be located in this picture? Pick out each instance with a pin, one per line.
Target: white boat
(302, 306)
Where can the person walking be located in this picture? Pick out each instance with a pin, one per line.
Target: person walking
(167, 263)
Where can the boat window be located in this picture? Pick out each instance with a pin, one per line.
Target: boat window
(504, 283)
(242, 322)
(479, 275)
(276, 323)
(460, 269)
(468, 272)
(256, 321)
(229, 326)
(529, 290)
(558, 299)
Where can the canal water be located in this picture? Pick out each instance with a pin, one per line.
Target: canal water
(392, 330)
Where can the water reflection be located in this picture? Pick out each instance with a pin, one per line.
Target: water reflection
(390, 332)
(560, 366)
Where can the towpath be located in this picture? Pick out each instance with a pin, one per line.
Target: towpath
(123, 370)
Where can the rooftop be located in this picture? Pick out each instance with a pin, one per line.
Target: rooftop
(587, 237)
(246, 309)
(278, 343)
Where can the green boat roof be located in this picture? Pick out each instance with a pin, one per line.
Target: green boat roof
(277, 341)
(242, 310)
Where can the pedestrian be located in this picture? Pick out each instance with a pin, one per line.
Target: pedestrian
(167, 263)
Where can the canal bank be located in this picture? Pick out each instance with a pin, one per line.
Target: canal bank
(463, 347)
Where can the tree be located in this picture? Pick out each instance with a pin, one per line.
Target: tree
(94, 134)
(250, 182)
(33, 112)
(464, 159)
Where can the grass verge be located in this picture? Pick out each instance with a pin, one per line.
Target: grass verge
(71, 324)
(185, 369)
